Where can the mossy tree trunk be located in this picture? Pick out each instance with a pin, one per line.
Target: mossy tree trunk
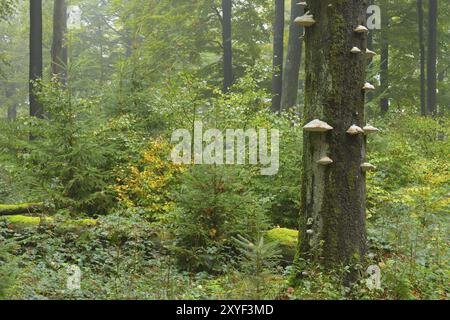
(332, 220)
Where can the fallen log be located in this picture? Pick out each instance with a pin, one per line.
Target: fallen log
(24, 208)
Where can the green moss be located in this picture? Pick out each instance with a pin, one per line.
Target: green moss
(34, 221)
(287, 240)
(15, 207)
(283, 236)
(24, 220)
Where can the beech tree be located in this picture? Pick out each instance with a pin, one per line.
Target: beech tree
(293, 59)
(384, 63)
(333, 193)
(36, 108)
(59, 48)
(432, 57)
(227, 46)
(278, 52)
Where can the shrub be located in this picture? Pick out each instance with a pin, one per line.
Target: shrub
(148, 183)
(213, 204)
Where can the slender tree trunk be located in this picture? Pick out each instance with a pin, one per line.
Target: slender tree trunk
(227, 48)
(293, 59)
(12, 110)
(333, 197)
(423, 106)
(278, 55)
(36, 109)
(59, 48)
(384, 64)
(369, 96)
(432, 57)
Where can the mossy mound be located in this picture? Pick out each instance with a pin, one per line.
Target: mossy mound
(287, 240)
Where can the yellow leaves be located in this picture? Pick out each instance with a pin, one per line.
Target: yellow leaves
(147, 183)
(213, 232)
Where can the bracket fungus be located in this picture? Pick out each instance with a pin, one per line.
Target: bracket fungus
(325, 161)
(361, 29)
(370, 53)
(303, 4)
(317, 126)
(306, 20)
(310, 231)
(368, 86)
(370, 129)
(367, 167)
(355, 50)
(354, 130)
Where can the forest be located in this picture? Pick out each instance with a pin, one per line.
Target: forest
(224, 150)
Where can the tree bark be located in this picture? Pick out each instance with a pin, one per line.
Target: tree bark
(59, 48)
(423, 106)
(227, 47)
(36, 108)
(369, 96)
(384, 62)
(278, 55)
(432, 57)
(332, 220)
(293, 59)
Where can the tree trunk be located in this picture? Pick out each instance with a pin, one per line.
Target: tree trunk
(333, 197)
(423, 106)
(12, 107)
(384, 63)
(59, 48)
(14, 209)
(293, 59)
(278, 55)
(432, 57)
(369, 96)
(36, 109)
(227, 48)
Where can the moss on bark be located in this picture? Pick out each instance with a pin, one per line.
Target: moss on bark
(333, 197)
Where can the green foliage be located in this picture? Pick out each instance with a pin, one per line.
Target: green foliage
(140, 69)
(8, 268)
(68, 161)
(213, 204)
(258, 261)
(6, 8)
